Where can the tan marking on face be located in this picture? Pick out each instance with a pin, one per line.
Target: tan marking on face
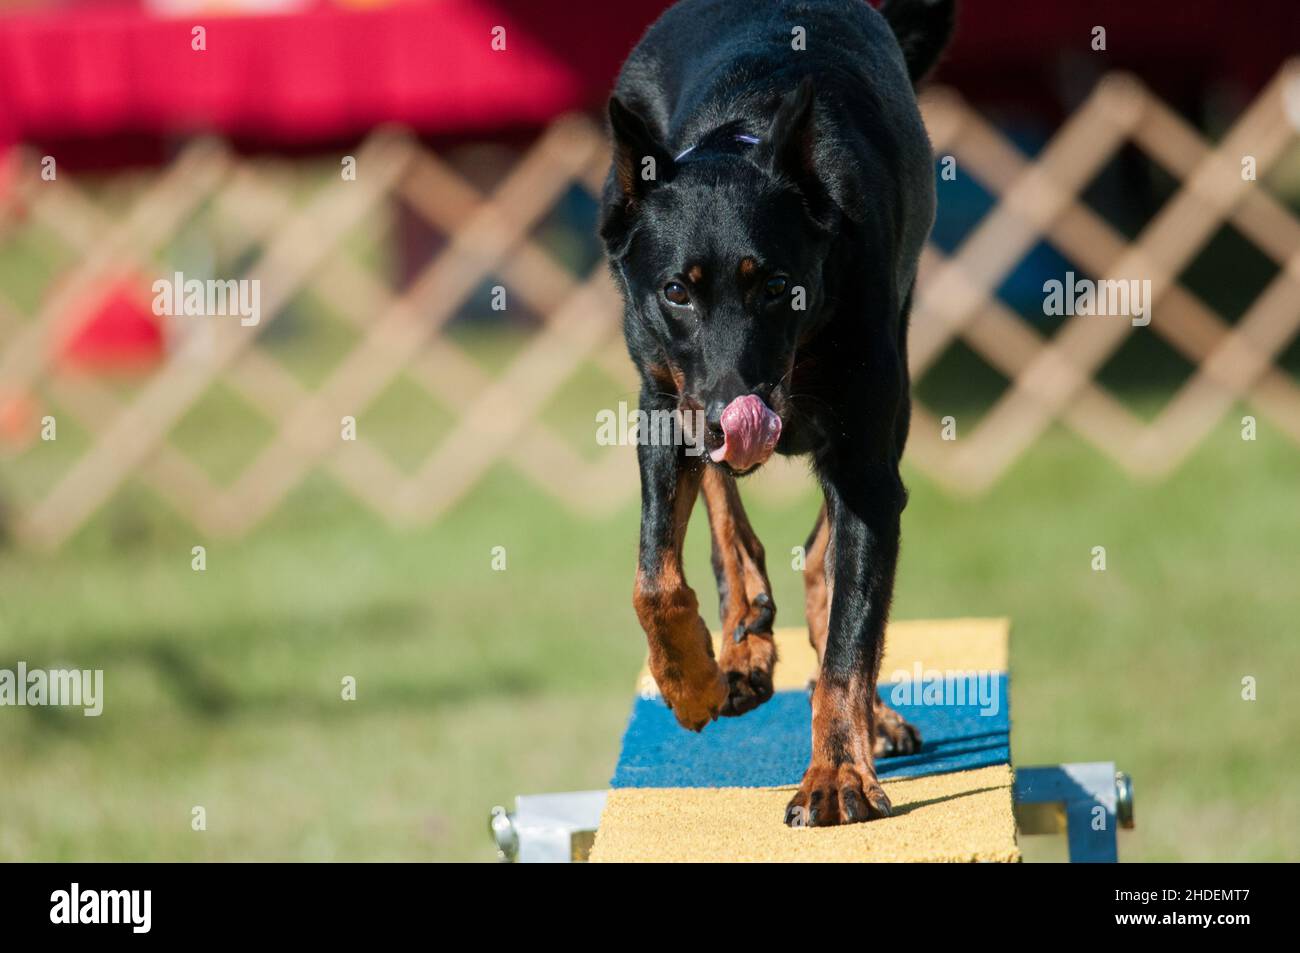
(695, 273)
(747, 267)
(667, 376)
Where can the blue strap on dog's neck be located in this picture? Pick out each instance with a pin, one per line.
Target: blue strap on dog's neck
(740, 137)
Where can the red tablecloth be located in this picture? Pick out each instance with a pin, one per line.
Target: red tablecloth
(310, 76)
(330, 74)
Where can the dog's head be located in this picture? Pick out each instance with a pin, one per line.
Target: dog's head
(720, 251)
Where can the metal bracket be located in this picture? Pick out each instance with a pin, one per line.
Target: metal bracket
(1088, 801)
(547, 828)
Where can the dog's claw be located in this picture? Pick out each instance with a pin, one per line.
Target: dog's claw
(762, 622)
(830, 795)
(894, 736)
(747, 664)
(695, 703)
(854, 806)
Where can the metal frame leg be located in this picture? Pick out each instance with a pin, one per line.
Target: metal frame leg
(1094, 798)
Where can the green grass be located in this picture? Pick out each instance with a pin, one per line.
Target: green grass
(223, 687)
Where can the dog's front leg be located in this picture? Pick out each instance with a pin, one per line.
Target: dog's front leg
(863, 505)
(744, 595)
(681, 650)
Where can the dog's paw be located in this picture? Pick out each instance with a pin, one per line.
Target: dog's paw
(894, 736)
(748, 657)
(696, 697)
(747, 666)
(831, 795)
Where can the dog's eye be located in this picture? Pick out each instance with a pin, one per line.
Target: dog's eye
(676, 294)
(776, 286)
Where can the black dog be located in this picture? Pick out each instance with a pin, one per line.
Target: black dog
(771, 189)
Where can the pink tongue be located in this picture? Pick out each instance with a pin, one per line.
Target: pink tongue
(750, 431)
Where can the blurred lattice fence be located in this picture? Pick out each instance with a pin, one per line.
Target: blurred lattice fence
(1054, 379)
(300, 245)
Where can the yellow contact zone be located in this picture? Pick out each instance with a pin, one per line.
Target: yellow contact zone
(964, 816)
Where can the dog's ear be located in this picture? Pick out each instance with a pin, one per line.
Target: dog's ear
(923, 29)
(640, 161)
(787, 149)
(640, 164)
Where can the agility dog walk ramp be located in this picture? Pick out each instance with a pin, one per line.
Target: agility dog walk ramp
(720, 795)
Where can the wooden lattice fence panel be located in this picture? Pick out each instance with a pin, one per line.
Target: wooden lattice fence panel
(293, 247)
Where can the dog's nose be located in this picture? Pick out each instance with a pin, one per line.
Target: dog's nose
(713, 416)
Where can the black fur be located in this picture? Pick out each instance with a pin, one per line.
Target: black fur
(838, 195)
(923, 28)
